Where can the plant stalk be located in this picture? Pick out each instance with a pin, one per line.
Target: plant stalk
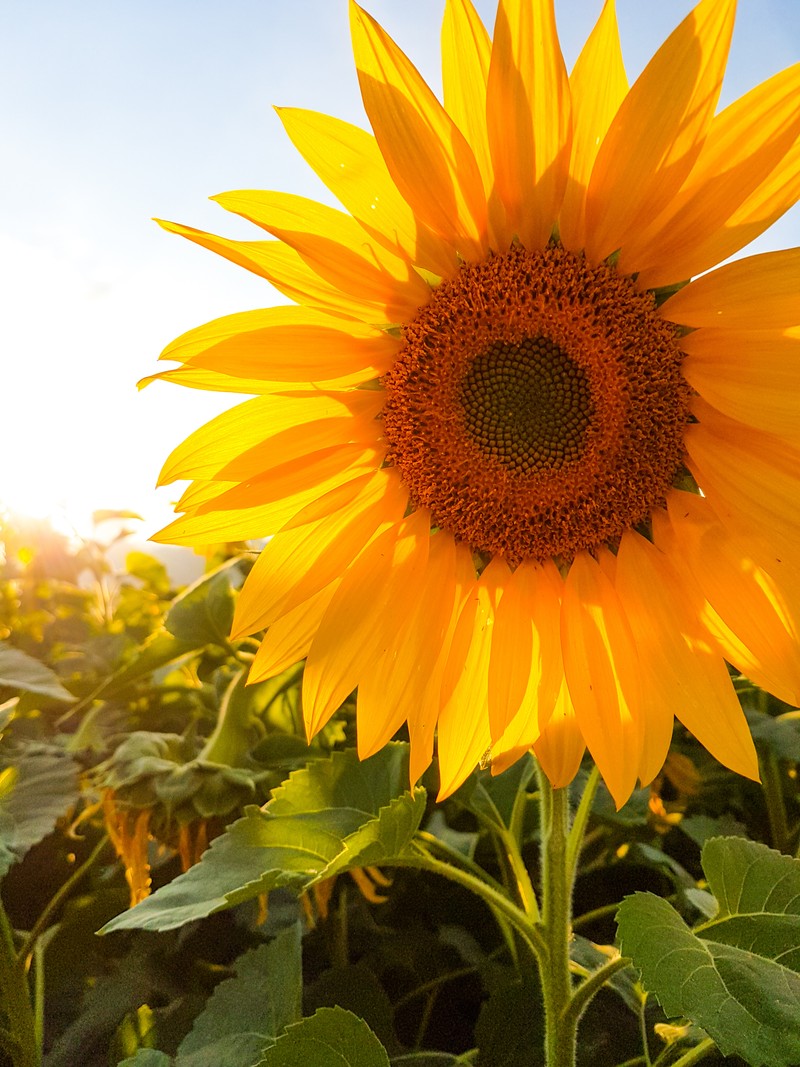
(557, 868)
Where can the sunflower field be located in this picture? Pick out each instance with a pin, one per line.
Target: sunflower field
(292, 901)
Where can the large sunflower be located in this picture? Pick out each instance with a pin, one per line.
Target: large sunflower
(524, 486)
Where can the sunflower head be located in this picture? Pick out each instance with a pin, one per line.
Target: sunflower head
(525, 483)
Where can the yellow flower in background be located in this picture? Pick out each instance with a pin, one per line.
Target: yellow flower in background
(524, 487)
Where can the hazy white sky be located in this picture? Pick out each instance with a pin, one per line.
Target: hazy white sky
(118, 110)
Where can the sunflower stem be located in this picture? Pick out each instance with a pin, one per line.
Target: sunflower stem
(557, 868)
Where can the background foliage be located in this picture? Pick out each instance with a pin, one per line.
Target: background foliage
(296, 906)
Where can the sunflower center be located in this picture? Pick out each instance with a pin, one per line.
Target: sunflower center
(537, 406)
(528, 404)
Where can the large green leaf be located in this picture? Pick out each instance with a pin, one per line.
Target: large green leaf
(332, 1037)
(329, 817)
(203, 613)
(45, 788)
(21, 671)
(748, 1004)
(758, 893)
(246, 1013)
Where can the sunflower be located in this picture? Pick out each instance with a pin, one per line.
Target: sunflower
(525, 483)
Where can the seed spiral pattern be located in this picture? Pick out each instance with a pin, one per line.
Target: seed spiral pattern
(537, 406)
(527, 405)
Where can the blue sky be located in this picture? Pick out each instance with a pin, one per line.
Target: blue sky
(116, 111)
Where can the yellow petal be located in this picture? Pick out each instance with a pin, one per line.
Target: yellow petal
(283, 268)
(349, 162)
(285, 479)
(466, 49)
(335, 247)
(285, 344)
(528, 116)
(756, 293)
(375, 596)
(268, 430)
(681, 672)
(219, 382)
(598, 651)
(427, 155)
(394, 685)
(560, 748)
(210, 527)
(525, 669)
(747, 153)
(598, 85)
(289, 638)
(299, 561)
(447, 598)
(761, 609)
(659, 129)
(751, 376)
(754, 473)
(463, 729)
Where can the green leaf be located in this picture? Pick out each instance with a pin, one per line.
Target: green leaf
(246, 1013)
(21, 671)
(45, 787)
(149, 570)
(380, 840)
(776, 734)
(157, 651)
(203, 614)
(748, 1005)
(329, 817)
(758, 891)
(332, 1037)
(147, 1057)
(344, 781)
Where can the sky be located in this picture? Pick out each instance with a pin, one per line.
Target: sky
(116, 111)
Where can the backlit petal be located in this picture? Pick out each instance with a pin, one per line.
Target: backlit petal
(598, 649)
(747, 153)
(751, 376)
(427, 155)
(525, 669)
(464, 735)
(269, 430)
(528, 116)
(757, 292)
(658, 132)
(335, 247)
(285, 344)
(349, 162)
(284, 268)
(682, 674)
(302, 559)
(762, 609)
(375, 596)
(289, 638)
(466, 49)
(598, 85)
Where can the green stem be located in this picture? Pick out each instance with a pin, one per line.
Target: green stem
(557, 874)
(20, 1040)
(772, 783)
(525, 890)
(577, 834)
(478, 884)
(592, 985)
(695, 1054)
